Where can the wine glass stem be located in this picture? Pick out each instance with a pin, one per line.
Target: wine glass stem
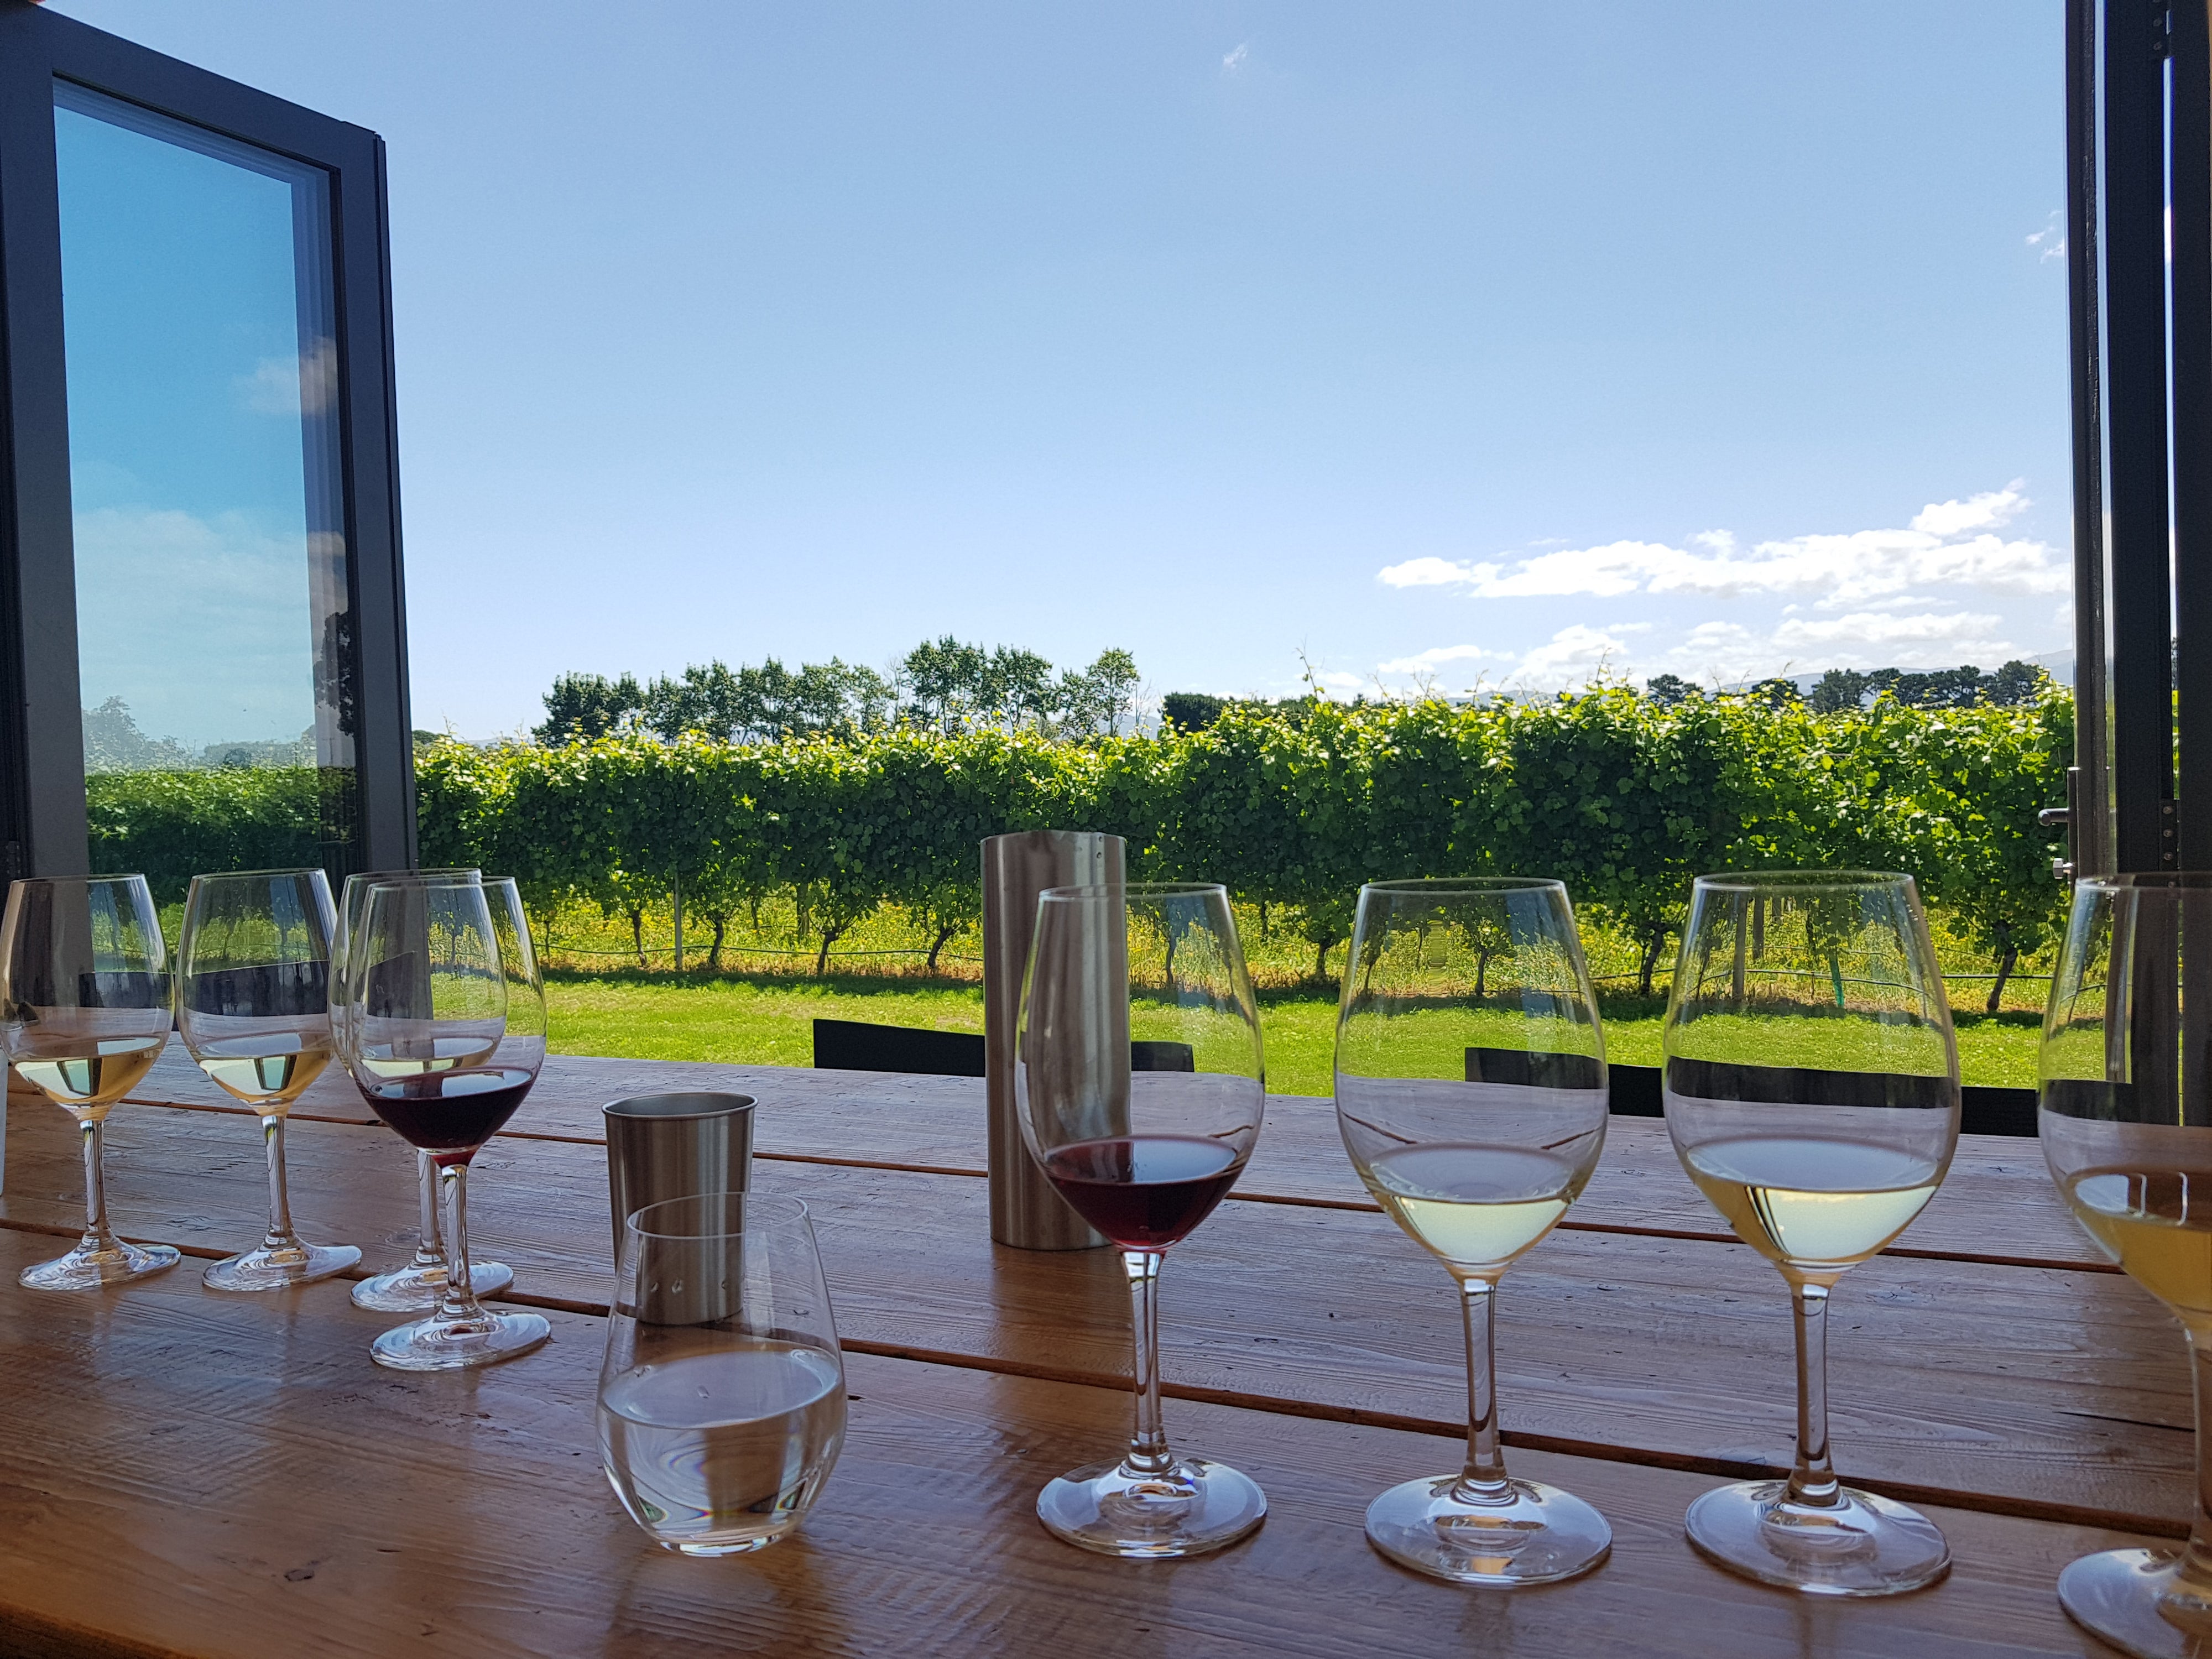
(459, 1301)
(280, 1203)
(1148, 1446)
(1484, 1479)
(430, 1241)
(96, 1234)
(1813, 1482)
(2194, 1582)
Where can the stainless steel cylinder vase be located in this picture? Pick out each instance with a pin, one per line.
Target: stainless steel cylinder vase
(1025, 1211)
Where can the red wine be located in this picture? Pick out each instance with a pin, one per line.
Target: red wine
(450, 1113)
(1144, 1192)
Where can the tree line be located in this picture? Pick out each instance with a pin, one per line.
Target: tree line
(945, 685)
(1623, 797)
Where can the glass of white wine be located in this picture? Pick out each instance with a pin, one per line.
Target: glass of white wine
(1812, 1090)
(253, 1007)
(84, 1010)
(2126, 1123)
(1471, 1093)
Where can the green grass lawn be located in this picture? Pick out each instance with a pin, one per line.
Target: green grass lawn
(766, 1019)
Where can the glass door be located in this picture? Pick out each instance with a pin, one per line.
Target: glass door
(203, 640)
(204, 469)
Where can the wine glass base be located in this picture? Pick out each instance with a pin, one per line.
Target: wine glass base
(1111, 1509)
(439, 1345)
(266, 1269)
(1537, 1534)
(2120, 1597)
(83, 1269)
(419, 1290)
(1862, 1546)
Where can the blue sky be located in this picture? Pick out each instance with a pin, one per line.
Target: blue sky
(1478, 342)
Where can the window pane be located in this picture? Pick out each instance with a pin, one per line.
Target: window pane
(212, 611)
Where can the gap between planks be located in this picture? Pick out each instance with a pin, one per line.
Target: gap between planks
(1691, 1234)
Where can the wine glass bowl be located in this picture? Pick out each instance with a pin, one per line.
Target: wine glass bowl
(1812, 1094)
(1471, 1094)
(2125, 1121)
(253, 1008)
(444, 1032)
(1140, 1086)
(85, 1011)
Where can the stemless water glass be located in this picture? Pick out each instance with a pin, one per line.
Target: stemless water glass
(84, 1010)
(444, 1032)
(1812, 1090)
(253, 1007)
(722, 1397)
(2126, 1122)
(417, 1287)
(1139, 1087)
(1471, 1093)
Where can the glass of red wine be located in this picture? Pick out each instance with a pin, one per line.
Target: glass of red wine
(444, 1032)
(1140, 1087)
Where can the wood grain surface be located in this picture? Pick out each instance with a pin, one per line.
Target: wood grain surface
(188, 1472)
(2041, 1390)
(194, 1473)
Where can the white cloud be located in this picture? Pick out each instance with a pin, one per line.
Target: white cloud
(2049, 242)
(1343, 682)
(1234, 60)
(1433, 573)
(1947, 544)
(307, 384)
(1425, 662)
(1987, 511)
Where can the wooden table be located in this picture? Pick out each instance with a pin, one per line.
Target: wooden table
(184, 1471)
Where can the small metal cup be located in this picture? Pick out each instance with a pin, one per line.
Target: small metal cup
(676, 1145)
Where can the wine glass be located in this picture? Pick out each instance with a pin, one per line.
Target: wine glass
(417, 1287)
(1143, 1154)
(722, 1395)
(253, 1007)
(1812, 1091)
(84, 1011)
(2126, 1124)
(444, 1032)
(1471, 1094)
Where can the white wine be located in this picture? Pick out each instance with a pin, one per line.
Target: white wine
(1475, 1205)
(94, 1076)
(2157, 1224)
(714, 1451)
(1810, 1202)
(271, 1077)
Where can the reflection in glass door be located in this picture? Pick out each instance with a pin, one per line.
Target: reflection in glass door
(215, 647)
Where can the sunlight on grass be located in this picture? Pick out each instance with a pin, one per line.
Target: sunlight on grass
(767, 1020)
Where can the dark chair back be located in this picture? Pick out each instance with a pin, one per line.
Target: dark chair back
(852, 1045)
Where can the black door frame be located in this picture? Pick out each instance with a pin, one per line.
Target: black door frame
(42, 796)
(2139, 146)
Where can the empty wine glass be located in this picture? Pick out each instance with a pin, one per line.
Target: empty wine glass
(444, 1033)
(84, 1011)
(2126, 1125)
(417, 1287)
(253, 1007)
(1471, 1094)
(1139, 1087)
(722, 1396)
(1812, 1091)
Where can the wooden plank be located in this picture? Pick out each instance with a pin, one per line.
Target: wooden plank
(1997, 1203)
(2046, 1391)
(192, 1473)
